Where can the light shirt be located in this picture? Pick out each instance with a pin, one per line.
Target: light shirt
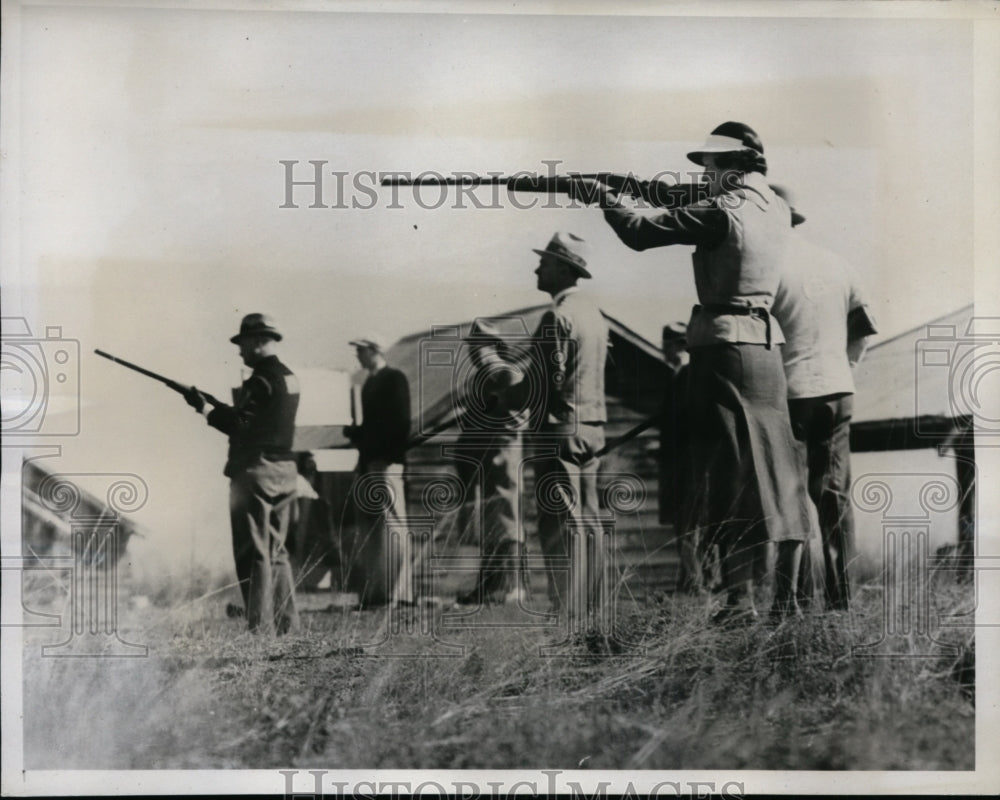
(817, 291)
(558, 298)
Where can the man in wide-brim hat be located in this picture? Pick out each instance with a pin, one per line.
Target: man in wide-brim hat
(570, 350)
(262, 474)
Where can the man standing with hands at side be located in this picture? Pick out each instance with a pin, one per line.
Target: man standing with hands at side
(571, 345)
(262, 473)
(826, 324)
(378, 498)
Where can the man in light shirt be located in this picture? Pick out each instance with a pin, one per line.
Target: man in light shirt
(571, 345)
(826, 324)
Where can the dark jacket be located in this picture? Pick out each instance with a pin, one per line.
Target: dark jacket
(385, 418)
(262, 422)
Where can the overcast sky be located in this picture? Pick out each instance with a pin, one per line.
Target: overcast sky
(149, 184)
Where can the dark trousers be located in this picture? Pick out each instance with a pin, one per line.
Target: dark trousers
(822, 424)
(569, 525)
(260, 510)
(491, 511)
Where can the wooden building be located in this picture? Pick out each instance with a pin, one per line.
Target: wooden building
(904, 400)
(60, 516)
(910, 387)
(921, 390)
(635, 381)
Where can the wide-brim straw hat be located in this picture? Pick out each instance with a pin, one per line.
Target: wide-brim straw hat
(569, 248)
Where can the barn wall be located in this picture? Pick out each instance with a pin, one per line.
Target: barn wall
(47, 528)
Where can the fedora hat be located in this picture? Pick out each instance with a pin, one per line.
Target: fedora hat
(729, 137)
(786, 194)
(569, 248)
(256, 325)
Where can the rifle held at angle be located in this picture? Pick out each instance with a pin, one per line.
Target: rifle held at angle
(177, 387)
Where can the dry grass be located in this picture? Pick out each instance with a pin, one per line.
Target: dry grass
(211, 695)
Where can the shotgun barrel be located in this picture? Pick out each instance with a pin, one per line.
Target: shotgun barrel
(175, 385)
(658, 193)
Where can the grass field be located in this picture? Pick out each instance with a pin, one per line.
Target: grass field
(687, 696)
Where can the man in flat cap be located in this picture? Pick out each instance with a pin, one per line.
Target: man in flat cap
(571, 345)
(262, 474)
(826, 322)
(378, 498)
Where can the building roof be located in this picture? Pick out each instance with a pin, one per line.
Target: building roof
(911, 375)
(63, 503)
(636, 370)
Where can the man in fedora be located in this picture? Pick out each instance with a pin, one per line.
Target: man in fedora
(262, 474)
(826, 321)
(378, 500)
(570, 348)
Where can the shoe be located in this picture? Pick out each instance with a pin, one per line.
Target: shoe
(516, 596)
(502, 584)
(600, 644)
(473, 597)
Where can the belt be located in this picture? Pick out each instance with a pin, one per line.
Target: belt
(757, 312)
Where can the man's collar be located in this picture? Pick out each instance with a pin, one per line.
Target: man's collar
(264, 360)
(559, 297)
(757, 182)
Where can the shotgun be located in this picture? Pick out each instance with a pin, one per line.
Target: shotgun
(448, 422)
(653, 421)
(177, 387)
